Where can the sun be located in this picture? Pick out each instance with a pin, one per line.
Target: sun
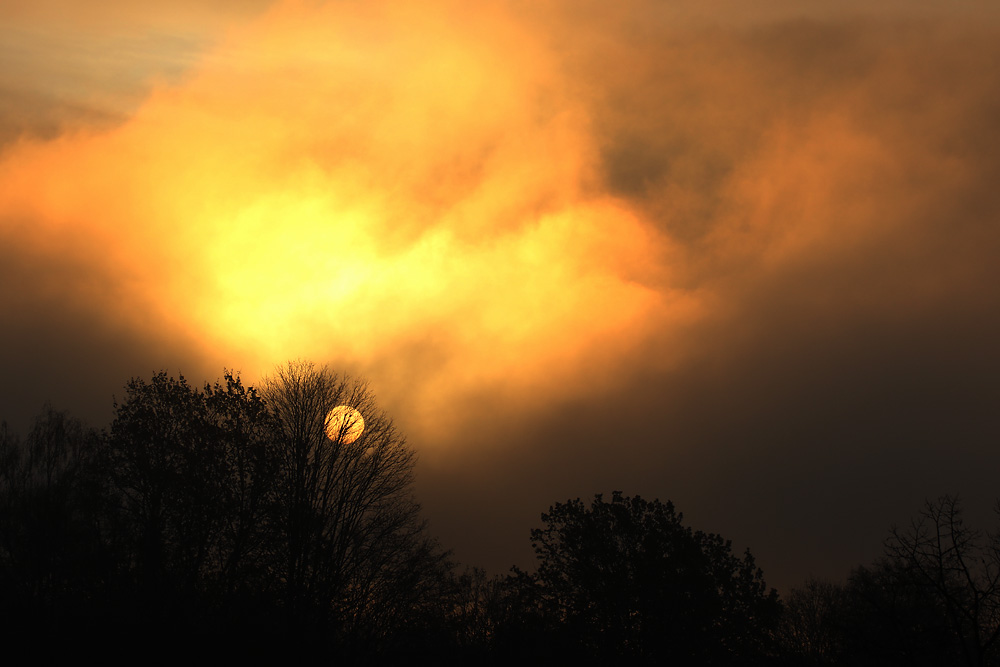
(344, 424)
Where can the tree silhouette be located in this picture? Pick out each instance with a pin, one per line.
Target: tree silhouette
(932, 599)
(247, 444)
(52, 555)
(355, 552)
(223, 513)
(626, 580)
(194, 475)
(253, 508)
(881, 616)
(960, 568)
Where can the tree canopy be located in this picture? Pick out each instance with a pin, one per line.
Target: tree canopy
(221, 508)
(353, 546)
(627, 580)
(285, 515)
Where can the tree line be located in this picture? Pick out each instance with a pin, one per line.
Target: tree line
(282, 518)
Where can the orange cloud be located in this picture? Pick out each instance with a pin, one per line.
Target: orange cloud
(342, 183)
(741, 255)
(458, 199)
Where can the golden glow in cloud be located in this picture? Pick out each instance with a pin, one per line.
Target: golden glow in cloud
(520, 202)
(347, 183)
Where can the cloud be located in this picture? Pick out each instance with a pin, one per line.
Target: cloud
(827, 188)
(305, 191)
(739, 260)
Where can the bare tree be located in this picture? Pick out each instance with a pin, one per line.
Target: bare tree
(961, 566)
(354, 545)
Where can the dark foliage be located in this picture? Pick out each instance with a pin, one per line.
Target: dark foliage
(53, 560)
(215, 515)
(880, 616)
(241, 523)
(627, 582)
(193, 484)
(931, 600)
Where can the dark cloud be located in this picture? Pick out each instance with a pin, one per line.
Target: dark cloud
(60, 342)
(802, 204)
(833, 183)
(801, 437)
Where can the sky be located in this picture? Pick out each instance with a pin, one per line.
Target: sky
(741, 256)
